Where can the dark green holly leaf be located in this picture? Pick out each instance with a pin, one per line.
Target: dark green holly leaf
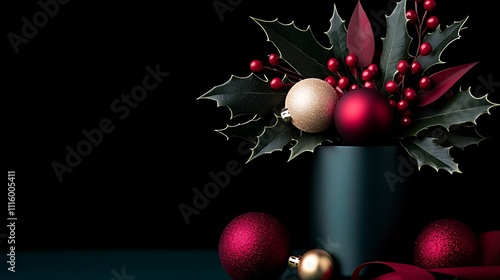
(459, 136)
(247, 95)
(248, 130)
(464, 135)
(274, 138)
(297, 47)
(337, 35)
(395, 43)
(426, 151)
(439, 40)
(307, 142)
(461, 108)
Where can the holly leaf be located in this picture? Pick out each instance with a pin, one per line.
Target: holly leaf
(247, 130)
(360, 40)
(247, 95)
(459, 136)
(463, 136)
(461, 108)
(439, 40)
(307, 142)
(426, 151)
(298, 47)
(395, 44)
(274, 138)
(442, 81)
(337, 35)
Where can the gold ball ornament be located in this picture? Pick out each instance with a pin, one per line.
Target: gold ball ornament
(310, 104)
(315, 264)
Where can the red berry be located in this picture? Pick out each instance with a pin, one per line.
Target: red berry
(353, 86)
(274, 59)
(276, 83)
(416, 67)
(411, 15)
(432, 22)
(405, 121)
(410, 94)
(403, 66)
(333, 64)
(351, 60)
(425, 83)
(406, 113)
(402, 105)
(367, 75)
(374, 68)
(429, 5)
(331, 80)
(343, 82)
(399, 77)
(369, 84)
(256, 66)
(391, 87)
(425, 48)
(392, 103)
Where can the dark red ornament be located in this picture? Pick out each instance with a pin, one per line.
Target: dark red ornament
(446, 243)
(255, 245)
(363, 116)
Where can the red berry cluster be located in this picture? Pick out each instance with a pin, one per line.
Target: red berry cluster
(402, 90)
(343, 83)
(273, 59)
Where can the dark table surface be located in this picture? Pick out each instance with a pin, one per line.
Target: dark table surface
(115, 265)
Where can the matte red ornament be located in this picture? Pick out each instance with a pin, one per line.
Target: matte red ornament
(255, 245)
(446, 243)
(363, 116)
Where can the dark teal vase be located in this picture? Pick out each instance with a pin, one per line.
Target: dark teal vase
(357, 194)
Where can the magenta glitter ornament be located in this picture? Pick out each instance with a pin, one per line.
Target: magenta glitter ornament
(446, 243)
(255, 245)
(363, 116)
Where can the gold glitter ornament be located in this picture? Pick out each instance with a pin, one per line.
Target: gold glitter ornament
(315, 264)
(310, 104)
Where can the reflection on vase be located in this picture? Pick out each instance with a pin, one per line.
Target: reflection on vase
(356, 196)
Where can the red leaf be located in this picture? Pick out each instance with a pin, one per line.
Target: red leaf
(442, 81)
(360, 40)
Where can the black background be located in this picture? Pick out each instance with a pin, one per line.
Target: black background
(126, 193)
